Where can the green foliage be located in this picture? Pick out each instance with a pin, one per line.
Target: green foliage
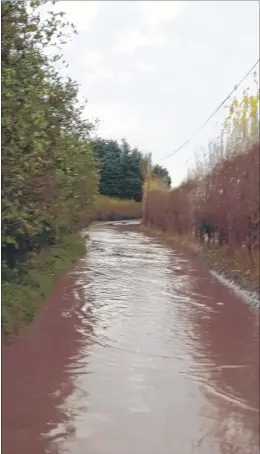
(121, 173)
(49, 175)
(108, 154)
(23, 292)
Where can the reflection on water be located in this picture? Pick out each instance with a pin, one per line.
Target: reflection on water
(142, 351)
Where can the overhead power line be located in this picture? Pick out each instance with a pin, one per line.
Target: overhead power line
(212, 115)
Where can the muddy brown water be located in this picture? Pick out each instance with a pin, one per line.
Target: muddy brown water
(140, 350)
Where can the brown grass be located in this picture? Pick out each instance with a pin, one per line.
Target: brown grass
(219, 206)
(112, 209)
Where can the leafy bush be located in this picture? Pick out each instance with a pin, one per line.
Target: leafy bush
(49, 174)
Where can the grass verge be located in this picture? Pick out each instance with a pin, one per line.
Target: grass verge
(24, 291)
(234, 264)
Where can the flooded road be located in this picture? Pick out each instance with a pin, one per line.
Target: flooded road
(140, 350)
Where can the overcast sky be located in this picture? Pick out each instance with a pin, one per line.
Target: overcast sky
(153, 71)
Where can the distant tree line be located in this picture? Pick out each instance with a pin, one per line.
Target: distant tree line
(122, 169)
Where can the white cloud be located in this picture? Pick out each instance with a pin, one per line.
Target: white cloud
(144, 67)
(99, 71)
(120, 86)
(116, 120)
(93, 58)
(131, 40)
(154, 14)
(103, 73)
(123, 76)
(82, 14)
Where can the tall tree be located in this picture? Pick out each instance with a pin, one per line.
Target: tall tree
(48, 168)
(131, 170)
(120, 169)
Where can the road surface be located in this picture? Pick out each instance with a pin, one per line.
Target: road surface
(140, 350)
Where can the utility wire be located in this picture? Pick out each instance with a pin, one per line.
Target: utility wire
(212, 115)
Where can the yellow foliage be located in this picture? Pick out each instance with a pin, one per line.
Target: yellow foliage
(154, 183)
(242, 118)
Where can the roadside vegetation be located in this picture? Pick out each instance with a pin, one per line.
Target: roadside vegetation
(33, 282)
(112, 209)
(57, 176)
(215, 211)
(49, 175)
